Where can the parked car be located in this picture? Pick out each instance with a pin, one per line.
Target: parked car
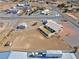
(45, 12)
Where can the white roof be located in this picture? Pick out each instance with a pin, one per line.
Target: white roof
(24, 24)
(53, 25)
(46, 11)
(18, 55)
(54, 52)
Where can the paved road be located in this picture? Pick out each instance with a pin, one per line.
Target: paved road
(30, 17)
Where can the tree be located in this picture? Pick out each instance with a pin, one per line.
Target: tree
(61, 5)
(75, 49)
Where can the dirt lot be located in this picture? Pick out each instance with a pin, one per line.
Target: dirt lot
(31, 39)
(6, 5)
(5, 28)
(67, 30)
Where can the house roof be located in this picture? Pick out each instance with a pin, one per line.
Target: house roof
(24, 55)
(13, 55)
(54, 25)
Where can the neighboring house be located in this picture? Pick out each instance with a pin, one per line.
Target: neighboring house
(53, 54)
(45, 12)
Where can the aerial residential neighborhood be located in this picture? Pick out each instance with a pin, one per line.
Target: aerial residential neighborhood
(39, 29)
